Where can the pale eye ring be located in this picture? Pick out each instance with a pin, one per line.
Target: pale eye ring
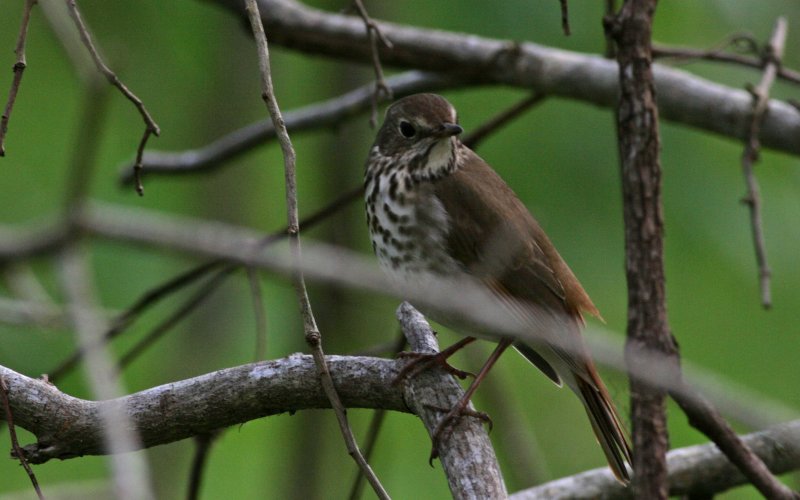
(407, 129)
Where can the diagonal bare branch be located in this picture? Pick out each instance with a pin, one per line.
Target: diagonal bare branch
(312, 334)
(151, 127)
(19, 68)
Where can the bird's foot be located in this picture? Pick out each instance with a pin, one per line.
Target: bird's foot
(423, 361)
(448, 422)
(420, 362)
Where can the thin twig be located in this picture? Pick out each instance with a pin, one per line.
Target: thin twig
(718, 54)
(503, 118)
(182, 312)
(774, 55)
(325, 114)
(610, 10)
(382, 90)
(259, 313)
(120, 323)
(85, 146)
(12, 431)
(202, 449)
(313, 337)
(186, 278)
(34, 304)
(27, 312)
(151, 128)
(375, 424)
(19, 68)
(565, 17)
(23, 283)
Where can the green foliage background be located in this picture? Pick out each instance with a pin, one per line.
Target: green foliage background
(195, 68)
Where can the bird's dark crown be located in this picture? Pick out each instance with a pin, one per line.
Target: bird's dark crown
(416, 119)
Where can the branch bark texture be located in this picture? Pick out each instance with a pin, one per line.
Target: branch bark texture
(648, 329)
(700, 471)
(466, 452)
(68, 427)
(683, 98)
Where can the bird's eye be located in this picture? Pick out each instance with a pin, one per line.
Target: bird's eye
(407, 129)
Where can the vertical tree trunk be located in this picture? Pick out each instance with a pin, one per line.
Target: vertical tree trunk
(648, 330)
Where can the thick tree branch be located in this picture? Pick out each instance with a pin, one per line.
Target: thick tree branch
(68, 427)
(694, 470)
(683, 97)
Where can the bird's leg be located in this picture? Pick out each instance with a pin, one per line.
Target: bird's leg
(446, 423)
(420, 361)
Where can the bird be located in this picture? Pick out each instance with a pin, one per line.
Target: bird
(436, 210)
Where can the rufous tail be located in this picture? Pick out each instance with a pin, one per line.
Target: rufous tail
(607, 426)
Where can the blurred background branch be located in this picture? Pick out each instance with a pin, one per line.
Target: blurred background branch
(560, 157)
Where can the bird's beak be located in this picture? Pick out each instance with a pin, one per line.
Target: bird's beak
(448, 130)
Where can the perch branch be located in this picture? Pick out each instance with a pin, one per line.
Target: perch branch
(466, 453)
(199, 405)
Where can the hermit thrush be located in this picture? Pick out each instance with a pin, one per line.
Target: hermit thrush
(435, 208)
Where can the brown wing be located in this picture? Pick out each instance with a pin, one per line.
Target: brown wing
(497, 240)
(495, 237)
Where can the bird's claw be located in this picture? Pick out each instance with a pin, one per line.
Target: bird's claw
(420, 362)
(448, 421)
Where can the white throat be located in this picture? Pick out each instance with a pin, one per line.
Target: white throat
(440, 159)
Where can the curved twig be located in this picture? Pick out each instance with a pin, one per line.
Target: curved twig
(320, 115)
(19, 67)
(151, 127)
